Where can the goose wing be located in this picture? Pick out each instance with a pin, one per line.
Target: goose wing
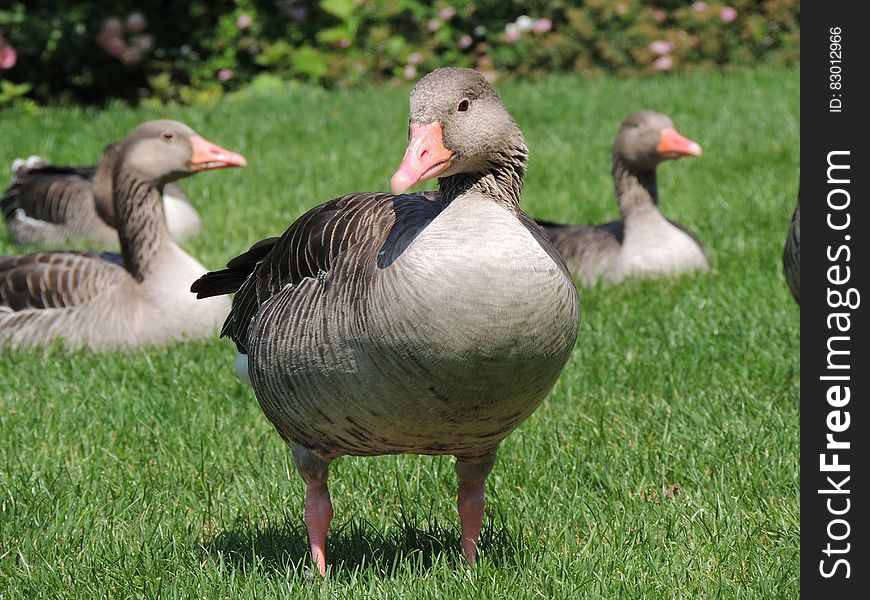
(56, 279)
(349, 232)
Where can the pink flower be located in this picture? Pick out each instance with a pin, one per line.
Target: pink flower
(112, 27)
(484, 61)
(542, 26)
(698, 6)
(663, 63)
(659, 15)
(114, 46)
(470, 8)
(8, 57)
(225, 74)
(694, 40)
(409, 72)
(728, 14)
(433, 25)
(136, 22)
(464, 42)
(446, 13)
(415, 58)
(343, 43)
(144, 42)
(661, 47)
(621, 9)
(244, 21)
(511, 33)
(131, 56)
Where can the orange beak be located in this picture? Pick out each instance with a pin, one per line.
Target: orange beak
(673, 145)
(425, 158)
(207, 156)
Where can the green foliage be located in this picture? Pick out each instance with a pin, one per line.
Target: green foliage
(195, 51)
(664, 464)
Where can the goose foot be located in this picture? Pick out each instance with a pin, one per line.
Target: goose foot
(470, 502)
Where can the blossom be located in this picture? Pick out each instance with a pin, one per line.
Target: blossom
(446, 13)
(511, 33)
(728, 14)
(433, 25)
(415, 58)
(661, 47)
(659, 15)
(542, 26)
(464, 42)
(225, 74)
(484, 60)
(343, 43)
(8, 57)
(244, 21)
(663, 63)
(698, 6)
(136, 22)
(524, 23)
(112, 27)
(144, 42)
(409, 72)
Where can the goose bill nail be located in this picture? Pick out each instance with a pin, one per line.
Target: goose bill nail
(207, 155)
(425, 158)
(673, 145)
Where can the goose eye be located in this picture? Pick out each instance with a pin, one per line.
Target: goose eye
(167, 136)
(463, 105)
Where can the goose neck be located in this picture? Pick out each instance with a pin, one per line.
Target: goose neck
(141, 223)
(636, 189)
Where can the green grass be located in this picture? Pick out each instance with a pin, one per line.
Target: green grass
(663, 465)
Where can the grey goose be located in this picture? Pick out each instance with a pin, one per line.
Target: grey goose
(644, 243)
(105, 301)
(409, 323)
(791, 254)
(53, 204)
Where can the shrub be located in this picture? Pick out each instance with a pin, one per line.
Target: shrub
(194, 51)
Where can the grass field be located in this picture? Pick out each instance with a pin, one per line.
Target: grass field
(663, 465)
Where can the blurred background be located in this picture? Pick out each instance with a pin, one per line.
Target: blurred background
(162, 51)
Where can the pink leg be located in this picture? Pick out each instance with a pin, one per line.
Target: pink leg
(318, 507)
(318, 515)
(470, 502)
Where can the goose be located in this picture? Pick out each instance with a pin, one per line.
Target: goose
(53, 205)
(408, 323)
(105, 301)
(644, 243)
(791, 254)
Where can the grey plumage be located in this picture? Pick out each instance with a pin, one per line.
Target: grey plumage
(422, 323)
(102, 300)
(791, 254)
(644, 243)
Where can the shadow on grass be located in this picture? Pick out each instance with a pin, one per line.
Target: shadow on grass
(358, 547)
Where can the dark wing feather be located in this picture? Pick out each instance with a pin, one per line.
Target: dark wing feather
(55, 279)
(47, 193)
(311, 246)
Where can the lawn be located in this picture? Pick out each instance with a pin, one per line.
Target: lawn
(663, 465)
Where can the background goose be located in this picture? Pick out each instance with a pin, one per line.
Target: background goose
(102, 300)
(644, 243)
(51, 205)
(420, 323)
(791, 254)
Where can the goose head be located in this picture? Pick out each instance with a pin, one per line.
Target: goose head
(457, 124)
(161, 151)
(647, 138)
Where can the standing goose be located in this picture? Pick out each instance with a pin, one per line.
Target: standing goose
(791, 254)
(409, 323)
(52, 205)
(644, 243)
(105, 301)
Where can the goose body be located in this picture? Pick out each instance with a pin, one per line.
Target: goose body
(644, 243)
(791, 254)
(422, 323)
(53, 205)
(105, 301)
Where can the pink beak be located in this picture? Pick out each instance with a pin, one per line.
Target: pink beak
(673, 145)
(207, 156)
(425, 158)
